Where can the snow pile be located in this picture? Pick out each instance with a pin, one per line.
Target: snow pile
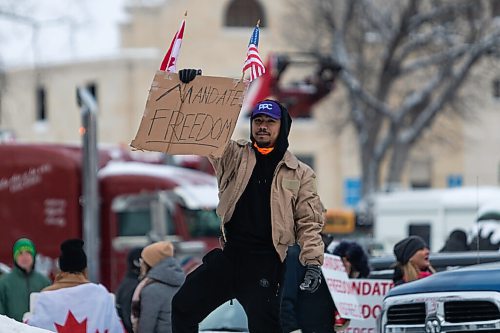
(8, 325)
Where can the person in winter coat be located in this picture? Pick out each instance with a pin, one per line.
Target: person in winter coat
(127, 286)
(268, 201)
(72, 266)
(16, 286)
(412, 260)
(316, 313)
(73, 303)
(356, 265)
(152, 299)
(456, 242)
(354, 258)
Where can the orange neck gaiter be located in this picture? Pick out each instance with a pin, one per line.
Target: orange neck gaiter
(263, 151)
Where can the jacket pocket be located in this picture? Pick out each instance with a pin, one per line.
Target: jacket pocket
(316, 210)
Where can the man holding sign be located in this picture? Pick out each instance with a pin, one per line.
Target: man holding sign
(268, 201)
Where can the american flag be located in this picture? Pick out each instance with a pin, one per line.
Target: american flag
(253, 61)
(169, 63)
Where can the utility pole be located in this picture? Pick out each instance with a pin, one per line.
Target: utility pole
(3, 83)
(90, 160)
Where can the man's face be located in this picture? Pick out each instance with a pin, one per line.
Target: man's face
(25, 260)
(265, 130)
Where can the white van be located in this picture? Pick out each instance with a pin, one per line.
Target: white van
(430, 213)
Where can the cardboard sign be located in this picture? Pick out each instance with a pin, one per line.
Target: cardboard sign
(340, 287)
(197, 118)
(370, 295)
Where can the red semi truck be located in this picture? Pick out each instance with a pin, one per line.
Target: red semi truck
(40, 198)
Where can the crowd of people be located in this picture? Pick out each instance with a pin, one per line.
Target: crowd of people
(270, 261)
(143, 301)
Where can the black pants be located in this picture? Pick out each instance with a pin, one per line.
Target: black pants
(253, 279)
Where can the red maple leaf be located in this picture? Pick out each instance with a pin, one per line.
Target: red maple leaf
(72, 325)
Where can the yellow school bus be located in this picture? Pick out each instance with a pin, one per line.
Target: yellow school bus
(339, 221)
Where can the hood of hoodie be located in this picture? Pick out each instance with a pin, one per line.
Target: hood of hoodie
(286, 123)
(168, 271)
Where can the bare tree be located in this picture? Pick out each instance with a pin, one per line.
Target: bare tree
(404, 62)
(26, 17)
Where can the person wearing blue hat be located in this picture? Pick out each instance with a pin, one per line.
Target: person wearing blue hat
(268, 200)
(16, 286)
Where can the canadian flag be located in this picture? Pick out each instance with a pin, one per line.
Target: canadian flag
(169, 63)
(87, 308)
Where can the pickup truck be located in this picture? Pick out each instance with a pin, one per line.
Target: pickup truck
(230, 317)
(462, 300)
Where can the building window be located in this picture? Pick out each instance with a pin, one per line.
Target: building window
(495, 7)
(420, 173)
(496, 88)
(41, 104)
(244, 13)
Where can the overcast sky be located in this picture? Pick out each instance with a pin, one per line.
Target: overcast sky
(67, 29)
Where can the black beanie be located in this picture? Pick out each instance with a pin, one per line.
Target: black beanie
(406, 248)
(355, 254)
(72, 258)
(134, 255)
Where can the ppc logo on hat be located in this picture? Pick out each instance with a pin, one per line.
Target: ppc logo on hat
(268, 108)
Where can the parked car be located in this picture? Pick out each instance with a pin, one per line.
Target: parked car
(462, 300)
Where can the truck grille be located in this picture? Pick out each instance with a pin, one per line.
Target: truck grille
(409, 314)
(470, 311)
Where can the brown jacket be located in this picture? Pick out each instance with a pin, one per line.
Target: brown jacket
(67, 280)
(296, 209)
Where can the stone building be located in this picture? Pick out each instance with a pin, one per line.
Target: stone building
(38, 104)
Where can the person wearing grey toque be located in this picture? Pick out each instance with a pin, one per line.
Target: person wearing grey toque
(412, 260)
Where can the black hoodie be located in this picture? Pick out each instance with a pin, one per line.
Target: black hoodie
(250, 225)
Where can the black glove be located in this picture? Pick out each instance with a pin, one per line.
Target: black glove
(188, 75)
(312, 279)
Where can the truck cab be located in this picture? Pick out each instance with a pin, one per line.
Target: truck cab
(179, 206)
(462, 300)
(40, 198)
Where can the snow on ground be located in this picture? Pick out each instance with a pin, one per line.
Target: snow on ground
(8, 325)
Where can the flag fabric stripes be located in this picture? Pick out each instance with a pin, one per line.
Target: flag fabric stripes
(253, 60)
(169, 63)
